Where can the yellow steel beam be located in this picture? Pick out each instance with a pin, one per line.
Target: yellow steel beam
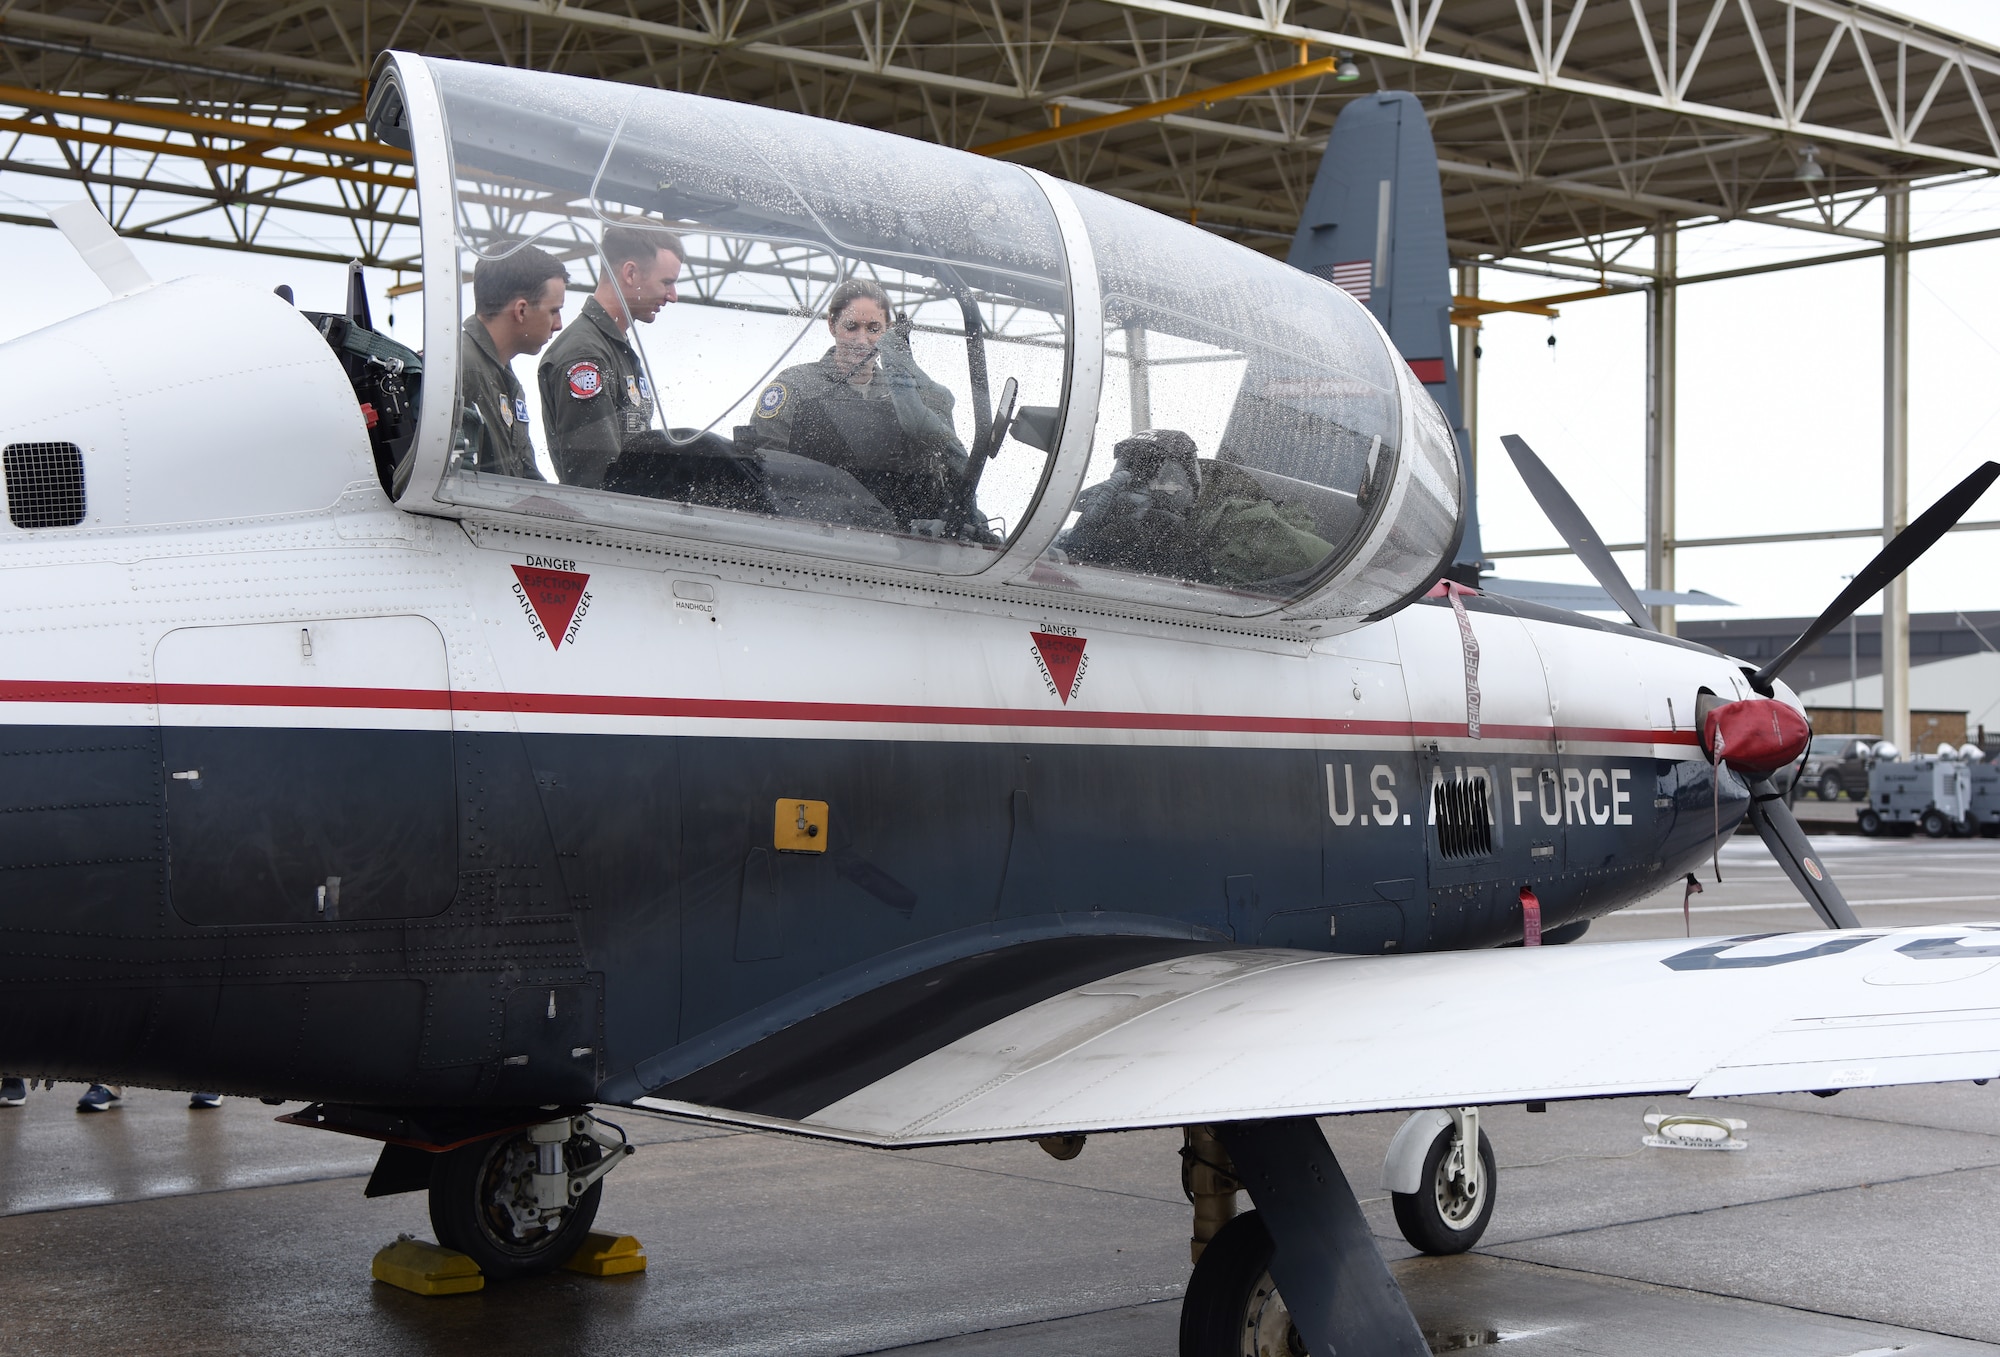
(173, 120)
(1201, 98)
(303, 168)
(352, 113)
(1466, 311)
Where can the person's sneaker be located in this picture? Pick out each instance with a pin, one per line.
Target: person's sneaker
(205, 1100)
(13, 1092)
(97, 1098)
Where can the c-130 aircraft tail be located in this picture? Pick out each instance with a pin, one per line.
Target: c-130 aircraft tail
(1374, 226)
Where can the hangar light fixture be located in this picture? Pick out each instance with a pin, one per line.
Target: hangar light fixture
(1347, 70)
(1809, 166)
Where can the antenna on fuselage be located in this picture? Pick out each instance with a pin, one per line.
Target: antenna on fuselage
(99, 246)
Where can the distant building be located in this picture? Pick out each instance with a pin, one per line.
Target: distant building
(1954, 671)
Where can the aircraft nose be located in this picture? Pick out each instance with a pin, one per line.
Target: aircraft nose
(1757, 735)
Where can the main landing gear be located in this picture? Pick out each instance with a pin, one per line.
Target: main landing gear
(514, 1189)
(523, 1201)
(1300, 1275)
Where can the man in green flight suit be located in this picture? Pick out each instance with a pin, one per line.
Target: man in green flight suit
(595, 394)
(517, 301)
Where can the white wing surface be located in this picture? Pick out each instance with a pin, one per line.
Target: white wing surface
(1237, 1035)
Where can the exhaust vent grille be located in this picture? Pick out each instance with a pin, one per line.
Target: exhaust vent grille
(1464, 820)
(44, 485)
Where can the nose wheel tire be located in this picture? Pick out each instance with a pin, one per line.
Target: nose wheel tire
(1449, 1212)
(1232, 1308)
(482, 1202)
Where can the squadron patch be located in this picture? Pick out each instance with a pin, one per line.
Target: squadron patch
(772, 401)
(631, 391)
(585, 380)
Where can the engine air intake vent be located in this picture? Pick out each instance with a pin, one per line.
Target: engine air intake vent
(44, 485)
(1462, 811)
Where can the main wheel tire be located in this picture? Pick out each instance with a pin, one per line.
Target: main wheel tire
(1869, 823)
(1829, 787)
(1441, 1217)
(1232, 1309)
(471, 1187)
(1935, 825)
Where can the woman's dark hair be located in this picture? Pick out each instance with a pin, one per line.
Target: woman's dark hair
(852, 291)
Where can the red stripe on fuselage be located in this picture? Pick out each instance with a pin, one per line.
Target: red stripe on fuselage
(731, 709)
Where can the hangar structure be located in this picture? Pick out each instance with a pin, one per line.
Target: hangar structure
(1577, 138)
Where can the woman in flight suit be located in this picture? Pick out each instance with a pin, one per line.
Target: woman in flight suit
(866, 408)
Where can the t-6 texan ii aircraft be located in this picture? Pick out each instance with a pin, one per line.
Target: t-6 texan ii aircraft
(1033, 713)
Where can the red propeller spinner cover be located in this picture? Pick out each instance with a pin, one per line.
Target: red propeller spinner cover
(1758, 736)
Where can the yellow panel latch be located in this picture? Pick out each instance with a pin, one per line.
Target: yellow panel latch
(426, 1270)
(801, 827)
(608, 1255)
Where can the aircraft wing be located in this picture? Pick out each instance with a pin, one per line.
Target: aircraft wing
(1247, 1034)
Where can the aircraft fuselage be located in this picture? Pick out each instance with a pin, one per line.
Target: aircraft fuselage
(377, 808)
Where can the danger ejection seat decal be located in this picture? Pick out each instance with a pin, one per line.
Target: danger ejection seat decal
(1059, 656)
(553, 600)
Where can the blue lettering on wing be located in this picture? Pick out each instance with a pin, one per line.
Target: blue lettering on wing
(1710, 958)
(1947, 949)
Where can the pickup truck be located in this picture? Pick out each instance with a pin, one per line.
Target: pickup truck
(1836, 764)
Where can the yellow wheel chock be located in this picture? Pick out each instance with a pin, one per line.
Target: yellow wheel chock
(425, 1269)
(608, 1255)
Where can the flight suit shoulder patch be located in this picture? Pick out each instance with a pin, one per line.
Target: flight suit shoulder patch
(585, 380)
(772, 401)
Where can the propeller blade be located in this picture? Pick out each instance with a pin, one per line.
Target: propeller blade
(1901, 552)
(1779, 828)
(1576, 529)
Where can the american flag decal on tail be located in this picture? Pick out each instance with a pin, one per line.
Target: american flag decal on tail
(1356, 278)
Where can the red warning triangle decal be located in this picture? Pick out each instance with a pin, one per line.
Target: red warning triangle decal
(553, 594)
(1060, 656)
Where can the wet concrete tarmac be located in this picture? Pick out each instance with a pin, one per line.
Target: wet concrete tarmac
(1858, 1225)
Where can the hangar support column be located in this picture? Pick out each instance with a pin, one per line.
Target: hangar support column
(1661, 327)
(1468, 367)
(1896, 459)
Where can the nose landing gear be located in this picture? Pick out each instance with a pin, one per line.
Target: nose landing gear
(1443, 1192)
(521, 1203)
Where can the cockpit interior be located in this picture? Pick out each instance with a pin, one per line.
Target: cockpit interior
(805, 339)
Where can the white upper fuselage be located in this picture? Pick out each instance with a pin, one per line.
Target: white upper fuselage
(229, 485)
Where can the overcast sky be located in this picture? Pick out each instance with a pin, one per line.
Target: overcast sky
(1780, 417)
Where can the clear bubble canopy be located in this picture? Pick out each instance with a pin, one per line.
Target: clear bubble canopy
(815, 339)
